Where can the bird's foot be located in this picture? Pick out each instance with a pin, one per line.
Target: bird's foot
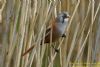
(64, 35)
(56, 50)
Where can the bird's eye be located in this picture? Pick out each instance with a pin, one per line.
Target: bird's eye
(64, 16)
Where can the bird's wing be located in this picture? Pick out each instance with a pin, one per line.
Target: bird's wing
(47, 36)
(48, 30)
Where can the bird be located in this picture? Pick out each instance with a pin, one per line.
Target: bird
(58, 27)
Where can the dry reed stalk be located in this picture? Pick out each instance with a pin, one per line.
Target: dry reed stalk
(24, 23)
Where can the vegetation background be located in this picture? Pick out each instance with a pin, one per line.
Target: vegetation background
(23, 24)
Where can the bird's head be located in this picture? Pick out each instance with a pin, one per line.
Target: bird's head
(63, 17)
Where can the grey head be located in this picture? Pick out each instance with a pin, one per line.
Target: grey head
(62, 16)
(62, 21)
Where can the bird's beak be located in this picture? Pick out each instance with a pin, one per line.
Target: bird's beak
(68, 16)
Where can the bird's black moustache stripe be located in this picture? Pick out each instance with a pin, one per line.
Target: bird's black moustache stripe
(63, 21)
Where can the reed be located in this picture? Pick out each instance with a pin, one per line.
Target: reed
(23, 23)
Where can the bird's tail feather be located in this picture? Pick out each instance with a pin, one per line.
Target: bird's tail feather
(28, 50)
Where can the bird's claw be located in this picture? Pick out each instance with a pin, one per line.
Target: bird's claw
(63, 35)
(56, 50)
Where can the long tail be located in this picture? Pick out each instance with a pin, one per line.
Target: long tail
(28, 50)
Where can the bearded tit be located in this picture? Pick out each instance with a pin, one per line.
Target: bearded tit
(58, 27)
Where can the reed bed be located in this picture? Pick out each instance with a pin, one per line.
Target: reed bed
(23, 23)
